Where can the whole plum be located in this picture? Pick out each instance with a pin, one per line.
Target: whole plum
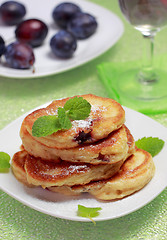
(63, 44)
(82, 25)
(64, 12)
(19, 55)
(32, 31)
(12, 12)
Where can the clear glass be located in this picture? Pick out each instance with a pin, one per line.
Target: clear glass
(147, 83)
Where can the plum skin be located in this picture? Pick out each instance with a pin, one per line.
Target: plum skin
(12, 12)
(32, 31)
(2, 46)
(19, 55)
(63, 44)
(64, 12)
(82, 26)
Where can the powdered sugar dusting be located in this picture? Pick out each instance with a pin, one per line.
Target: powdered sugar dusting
(82, 123)
(95, 109)
(77, 168)
(85, 124)
(51, 111)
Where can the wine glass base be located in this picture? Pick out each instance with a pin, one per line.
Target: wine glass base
(146, 97)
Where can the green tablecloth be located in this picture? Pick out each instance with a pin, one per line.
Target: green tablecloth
(19, 96)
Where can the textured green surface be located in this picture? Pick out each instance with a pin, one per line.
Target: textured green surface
(18, 96)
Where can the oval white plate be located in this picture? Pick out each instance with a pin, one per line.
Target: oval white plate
(110, 29)
(61, 206)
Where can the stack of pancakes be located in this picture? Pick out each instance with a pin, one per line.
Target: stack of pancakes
(96, 155)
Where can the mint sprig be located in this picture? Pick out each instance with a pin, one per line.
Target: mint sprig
(75, 108)
(4, 162)
(153, 145)
(64, 119)
(46, 125)
(88, 212)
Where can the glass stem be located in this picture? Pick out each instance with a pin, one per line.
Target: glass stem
(147, 74)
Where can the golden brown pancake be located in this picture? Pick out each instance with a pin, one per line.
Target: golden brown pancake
(38, 172)
(106, 116)
(117, 146)
(18, 162)
(134, 174)
(97, 155)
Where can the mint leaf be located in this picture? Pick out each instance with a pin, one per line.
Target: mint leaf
(4, 161)
(77, 108)
(45, 125)
(153, 145)
(88, 212)
(64, 119)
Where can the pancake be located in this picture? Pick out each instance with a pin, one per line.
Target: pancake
(18, 162)
(135, 173)
(106, 116)
(117, 146)
(38, 172)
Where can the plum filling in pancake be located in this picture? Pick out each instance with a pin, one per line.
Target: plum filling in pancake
(83, 137)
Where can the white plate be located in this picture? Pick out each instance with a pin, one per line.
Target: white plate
(61, 206)
(110, 29)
